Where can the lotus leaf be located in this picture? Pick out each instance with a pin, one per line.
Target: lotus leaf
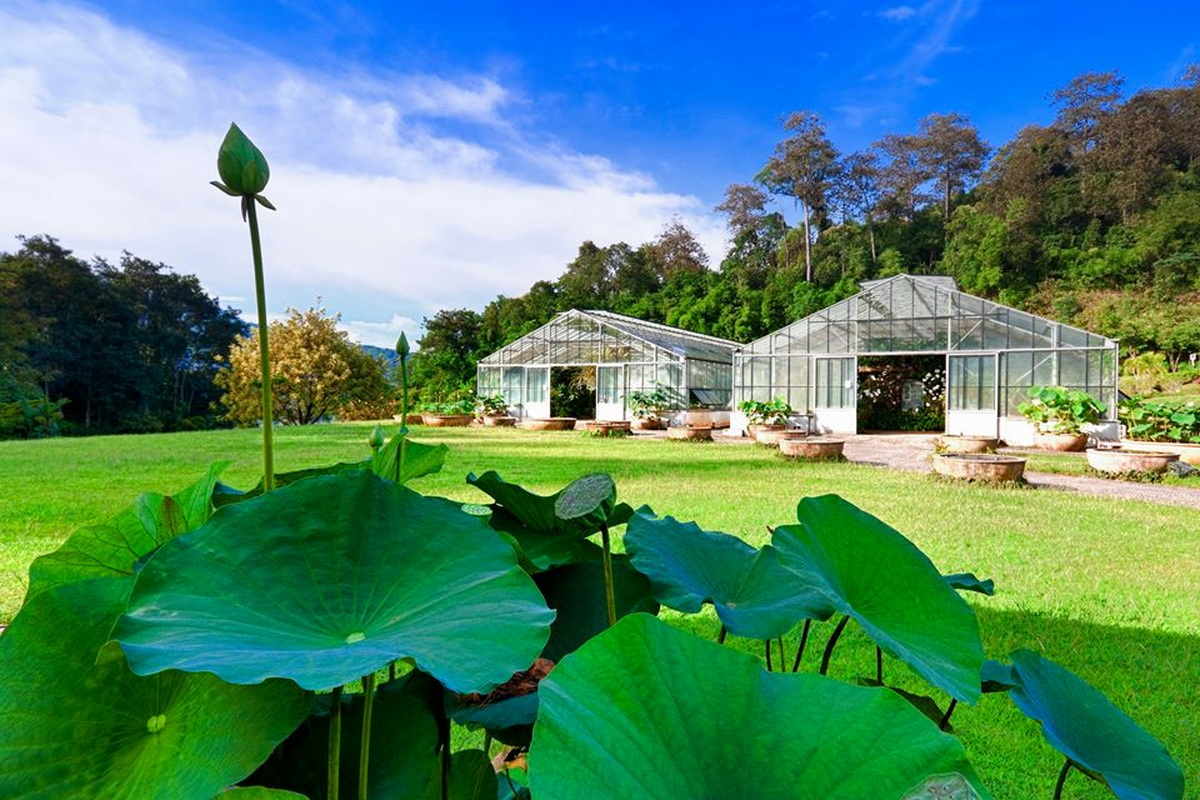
(967, 582)
(258, 793)
(539, 551)
(875, 575)
(1081, 723)
(647, 711)
(332, 578)
(113, 548)
(753, 595)
(540, 513)
(76, 729)
(402, 459)
(587, 501)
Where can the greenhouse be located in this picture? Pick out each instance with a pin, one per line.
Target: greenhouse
(608, 356)
(978, 359)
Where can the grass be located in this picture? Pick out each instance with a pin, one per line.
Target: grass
(1105, 587)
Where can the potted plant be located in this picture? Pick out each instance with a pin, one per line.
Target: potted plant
(770, 417)
(1058, 416)
(448, 414)
(648, 407)
(492, 411)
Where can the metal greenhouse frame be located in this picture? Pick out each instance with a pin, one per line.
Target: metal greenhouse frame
(628, 355)
(993, 355)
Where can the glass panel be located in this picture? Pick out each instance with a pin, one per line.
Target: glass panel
(512, 383)
(537, 385)
(972, 383)
(608, 385)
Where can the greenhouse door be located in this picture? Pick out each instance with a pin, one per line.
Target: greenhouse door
(537, 393)
(834, 406)
(610, 392)
(972, 395)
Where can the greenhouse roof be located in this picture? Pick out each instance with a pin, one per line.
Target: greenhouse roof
(914, 314)
(581, 337)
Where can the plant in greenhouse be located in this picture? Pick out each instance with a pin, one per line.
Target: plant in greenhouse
(758, 412)
(1054, 409)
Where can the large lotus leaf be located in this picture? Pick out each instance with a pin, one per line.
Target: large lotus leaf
(258, 793)
(330, 579)
(648, 711)
(75, 728)
(539, 512)
(113, 548)
(753, 595)
(404, 757)
(576, 593)
(1081, 723)
(402, 459)
(539, 551)
(968, 582)
(878, 577)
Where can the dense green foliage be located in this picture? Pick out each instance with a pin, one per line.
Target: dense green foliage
(1093, 220)
(93, 348)
(1162, 420)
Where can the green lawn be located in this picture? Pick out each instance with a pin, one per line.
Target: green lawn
(1105, 587)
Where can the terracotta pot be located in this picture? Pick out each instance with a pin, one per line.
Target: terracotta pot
(1120, 459)
(979, 466)
(811, 447)
(602, 427)
(499, 421)
(767, 434)
(700, 433)
(1187, 453)
(550, 424)
(648, 424)
(1061, 442)
(413, 419)
(968, 444)
(447, 420)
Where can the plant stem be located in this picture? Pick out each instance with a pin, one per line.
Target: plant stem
(803, 642)
(782, 656)
(403, 396)
(879, 664)
(1062, 778)
(837, 632)
(721, 635)
(264, 350)
(335, 743)
(368, 684)
(768, 644)
(949, 710)
(610, 599)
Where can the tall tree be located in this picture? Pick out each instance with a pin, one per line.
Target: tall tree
(856, 191)
(744, 207)
(902, 175)
(444, 364)
(676, 250)
(803, 167)
(949, 149)
(1083, 103)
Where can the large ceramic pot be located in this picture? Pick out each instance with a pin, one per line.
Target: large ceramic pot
(607, 428)
(811, 447)
(768, 434)
(648, 424)
(499, 421)
(1121, 459)
(979, 466)
(968, 444)
(550, 424)
(700, 433)
(413, 419)
(447, 420)
(1061, 442)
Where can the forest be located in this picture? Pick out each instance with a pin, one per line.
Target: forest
(1093, 220)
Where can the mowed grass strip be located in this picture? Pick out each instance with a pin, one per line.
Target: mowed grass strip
(1105, 587)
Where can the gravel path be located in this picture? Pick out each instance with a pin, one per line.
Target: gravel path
(911, 451)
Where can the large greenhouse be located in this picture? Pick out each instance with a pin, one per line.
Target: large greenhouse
(987, 356)
(616, 355)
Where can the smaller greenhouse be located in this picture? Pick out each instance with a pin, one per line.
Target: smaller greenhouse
(983, 357)
(612, 356)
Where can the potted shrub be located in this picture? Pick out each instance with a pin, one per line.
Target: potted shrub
(1058, 416)
(648, 408)
(492, 411)
(766, 418)
(450, 414)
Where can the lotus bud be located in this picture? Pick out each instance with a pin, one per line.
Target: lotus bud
(242, 166)
(376, 439)
(402, 346)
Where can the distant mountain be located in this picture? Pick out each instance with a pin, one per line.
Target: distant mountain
(388, 355)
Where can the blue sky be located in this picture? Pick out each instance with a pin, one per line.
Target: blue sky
(434, 155)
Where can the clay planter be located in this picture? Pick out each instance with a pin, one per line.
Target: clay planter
(1061, 442)
(768, 434)
(811, 447)
(413, 419)
(968, 444)
(1187, 453)
(648, 424)
(755, 430)
(447, 420)
(1120, 459)
(979, 467)
(607, 428)
(697, 433)
(549, 424)
(499, 421)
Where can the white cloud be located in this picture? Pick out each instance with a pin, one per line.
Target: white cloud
(383, 334)
(110, 139)
(898, 13)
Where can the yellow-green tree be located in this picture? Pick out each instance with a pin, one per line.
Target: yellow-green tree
(316, 372)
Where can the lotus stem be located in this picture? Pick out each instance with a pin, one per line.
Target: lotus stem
(944, 724)
(782, 656)
(768, 644)
(828, 654)
(1062, 779)
(879, 664)
(368, 684)
(721, 634)
(264, 350)
(403, 395)
(335, 743)
(610, 599)
(803, 642)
